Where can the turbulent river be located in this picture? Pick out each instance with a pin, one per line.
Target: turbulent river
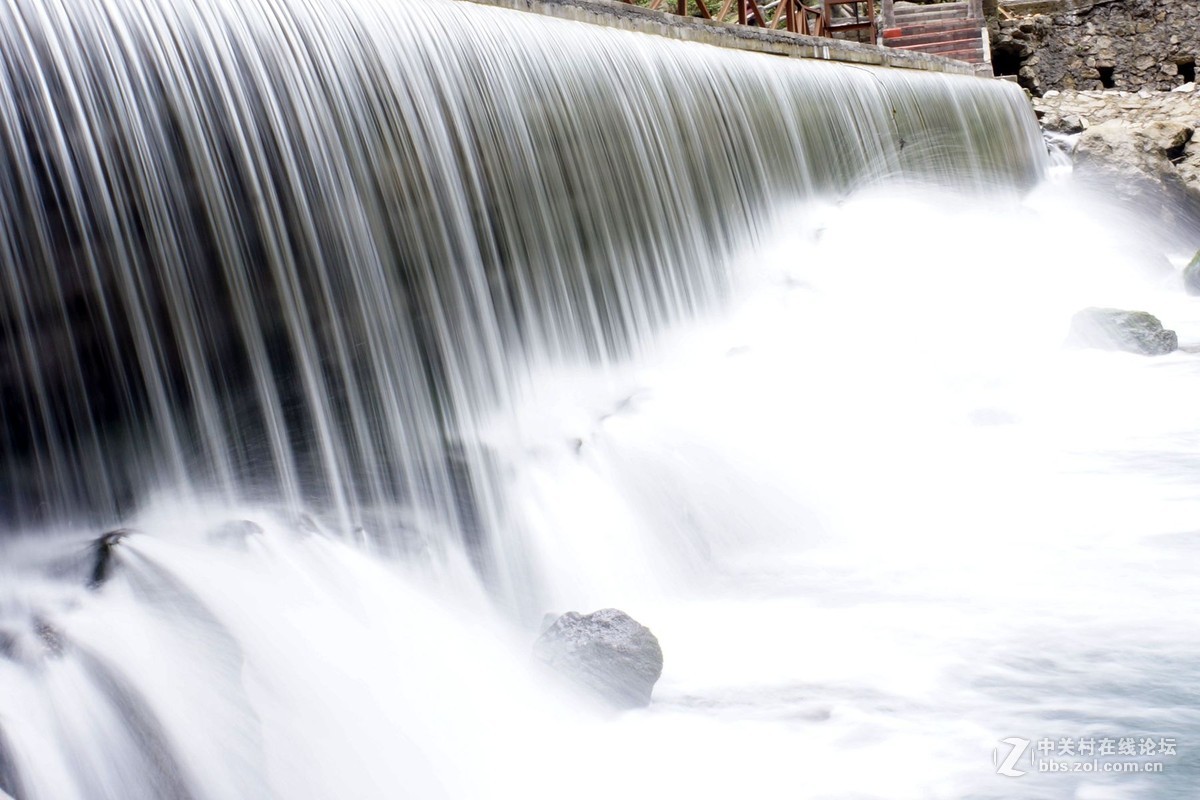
(379, 336)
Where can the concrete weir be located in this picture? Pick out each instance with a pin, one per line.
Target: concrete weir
(726, 34)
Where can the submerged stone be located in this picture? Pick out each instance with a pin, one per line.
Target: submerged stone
(607, 652)
(1115, 329)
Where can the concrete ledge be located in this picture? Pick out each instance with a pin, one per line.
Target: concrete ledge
(738, 37)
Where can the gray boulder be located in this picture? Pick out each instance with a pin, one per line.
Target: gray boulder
(607, 652)
(1130, 331)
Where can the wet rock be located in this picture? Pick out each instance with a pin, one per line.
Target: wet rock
(1129, 331)
(606, 652)
(104, 557)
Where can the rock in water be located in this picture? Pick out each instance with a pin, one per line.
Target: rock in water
(1114, 329)
(104, 557)
(608, 652)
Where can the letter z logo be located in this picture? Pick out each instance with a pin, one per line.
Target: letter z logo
(1006, 768)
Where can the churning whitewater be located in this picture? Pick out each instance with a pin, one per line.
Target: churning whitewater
(370, 332)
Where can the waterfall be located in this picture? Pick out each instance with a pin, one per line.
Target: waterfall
(275, 279)
(292, 252)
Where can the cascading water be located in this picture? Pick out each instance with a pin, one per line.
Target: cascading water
(298, 248)
(384, 328)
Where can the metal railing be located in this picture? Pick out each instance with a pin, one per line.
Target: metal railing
(827, 19)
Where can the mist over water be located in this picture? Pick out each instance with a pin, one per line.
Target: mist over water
(380, 334)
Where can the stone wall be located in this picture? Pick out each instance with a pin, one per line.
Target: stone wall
(1097, 44)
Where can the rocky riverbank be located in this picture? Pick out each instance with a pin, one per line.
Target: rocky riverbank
(1146, 143)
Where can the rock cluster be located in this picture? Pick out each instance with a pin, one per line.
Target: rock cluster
(607, 653)
(1098, 44)
(1146, 142)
